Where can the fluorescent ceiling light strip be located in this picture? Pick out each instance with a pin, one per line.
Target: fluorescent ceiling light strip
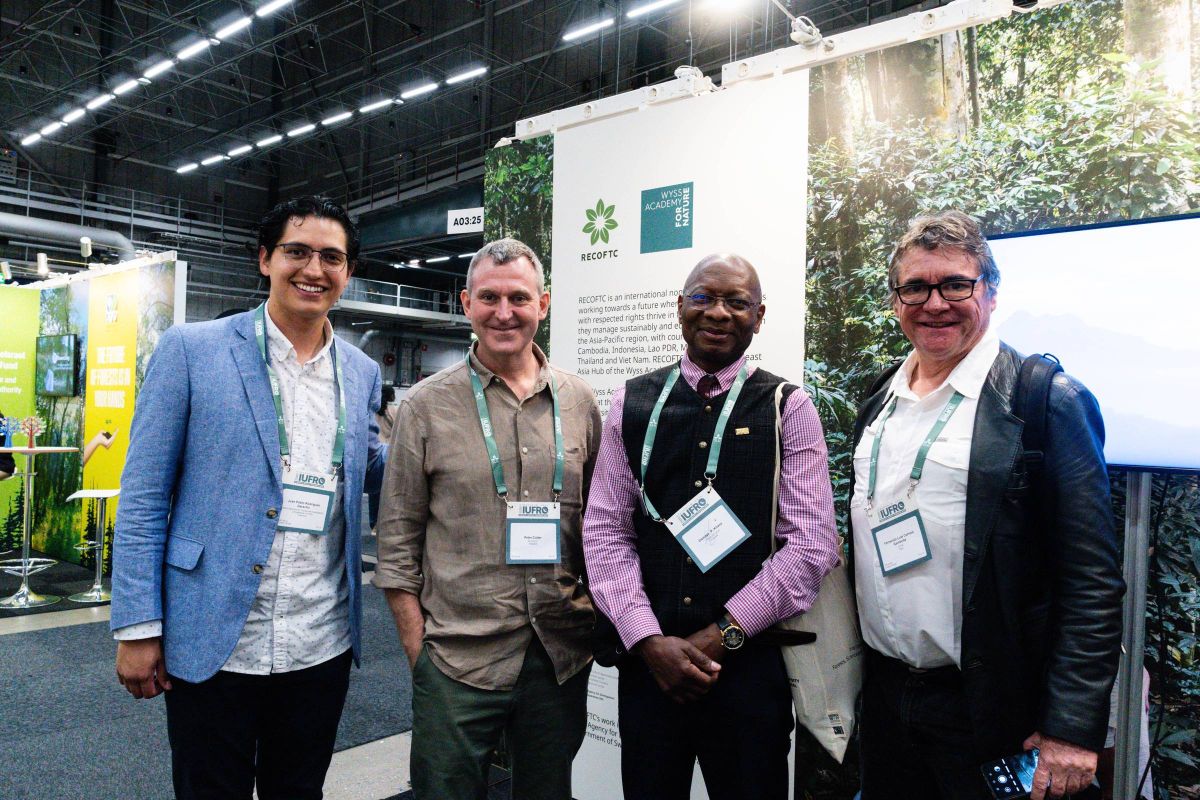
(127, 86)
(96, 102)
(52, 127)
(193, 49)
(466, 255)
(159, 68)
(437, 260)
(204, 162)
(417, 91)
(237, 151)
(30, 139)
(233, 28)
(336, 118)
(187, 168)
(599, 25)
(416, 262)
(73, 115)
(369, 107)
(634, 13)
(303, 129)
(272, 7)
(270, 140)
(465, 76)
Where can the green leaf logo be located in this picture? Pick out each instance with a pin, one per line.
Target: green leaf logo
(600, 222)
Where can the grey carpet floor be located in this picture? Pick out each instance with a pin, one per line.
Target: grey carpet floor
(68, 730)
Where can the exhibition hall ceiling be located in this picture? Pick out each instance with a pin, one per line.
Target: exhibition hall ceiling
(281, 66)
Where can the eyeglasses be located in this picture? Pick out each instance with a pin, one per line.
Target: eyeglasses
(952, 291)
(738, 305)
(300, 254)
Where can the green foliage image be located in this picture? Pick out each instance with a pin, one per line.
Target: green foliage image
(600, 222)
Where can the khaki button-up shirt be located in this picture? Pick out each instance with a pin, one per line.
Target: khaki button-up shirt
(442, 526)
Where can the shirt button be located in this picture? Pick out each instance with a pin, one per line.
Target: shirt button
(271, 513)
(524, 449)
(703, 445)
(525, 493)
(708, 409)
(533, 619)
(533, 580)
(699, 484)
(689, 560)
(687, 601)
(257, 569)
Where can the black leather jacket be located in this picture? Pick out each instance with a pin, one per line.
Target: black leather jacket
(1041, 629)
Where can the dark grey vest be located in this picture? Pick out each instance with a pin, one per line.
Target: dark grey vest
(683, 598)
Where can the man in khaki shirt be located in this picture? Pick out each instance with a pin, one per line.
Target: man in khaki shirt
(487, 590)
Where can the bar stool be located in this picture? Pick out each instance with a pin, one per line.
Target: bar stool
(97, 594)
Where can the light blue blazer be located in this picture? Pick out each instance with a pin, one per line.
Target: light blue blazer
(202, 487)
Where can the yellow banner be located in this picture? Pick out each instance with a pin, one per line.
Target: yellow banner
(111, 364)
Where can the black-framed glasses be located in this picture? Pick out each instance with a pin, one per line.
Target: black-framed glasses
(952, 291)
(738, 305)
(299, 254)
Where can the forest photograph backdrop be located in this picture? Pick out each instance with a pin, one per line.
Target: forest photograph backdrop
(1079, 114)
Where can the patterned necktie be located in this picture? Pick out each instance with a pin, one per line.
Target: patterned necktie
(708, 386)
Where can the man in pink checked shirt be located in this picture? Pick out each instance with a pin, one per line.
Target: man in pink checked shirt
(677, 538)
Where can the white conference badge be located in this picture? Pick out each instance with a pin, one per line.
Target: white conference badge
(308, 497)
(897, 527)
(532, 533)
(707, 529)
(899, 534)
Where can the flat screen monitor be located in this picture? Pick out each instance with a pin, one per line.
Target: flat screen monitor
(1119, 305)
(56, 365)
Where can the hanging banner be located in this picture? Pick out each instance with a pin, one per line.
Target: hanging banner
(640, 198)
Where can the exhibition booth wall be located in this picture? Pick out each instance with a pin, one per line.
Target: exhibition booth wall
(1057, 122)
(74, 352)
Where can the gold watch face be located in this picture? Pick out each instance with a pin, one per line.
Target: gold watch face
(732, 637)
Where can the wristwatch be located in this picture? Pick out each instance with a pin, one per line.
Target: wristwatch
(732, 636)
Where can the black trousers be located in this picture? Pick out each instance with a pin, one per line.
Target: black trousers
(916, 736)
(739, 731)
(234, 730)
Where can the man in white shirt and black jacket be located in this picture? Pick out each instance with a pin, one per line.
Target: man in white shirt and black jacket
(989, 594)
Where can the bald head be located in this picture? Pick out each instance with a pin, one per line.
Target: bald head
(720, 310)
(727, 263)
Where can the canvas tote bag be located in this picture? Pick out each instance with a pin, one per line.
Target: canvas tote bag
(826, 676)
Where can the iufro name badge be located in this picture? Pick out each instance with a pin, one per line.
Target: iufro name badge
(667, 218)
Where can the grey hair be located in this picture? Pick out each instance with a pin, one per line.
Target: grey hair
(502, 251)
(952, 230)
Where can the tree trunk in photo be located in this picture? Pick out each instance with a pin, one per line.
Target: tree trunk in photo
(928, 81)
(839, 121)
(1162, 30)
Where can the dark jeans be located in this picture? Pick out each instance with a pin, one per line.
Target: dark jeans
(232, 729)
(916, 736)
(739, 731)
(456, 727)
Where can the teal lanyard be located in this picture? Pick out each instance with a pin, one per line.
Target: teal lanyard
(714, 451)
(919, 464)
(339, 441)
(485, 422)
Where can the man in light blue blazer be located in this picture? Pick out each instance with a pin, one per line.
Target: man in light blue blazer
(236, 562)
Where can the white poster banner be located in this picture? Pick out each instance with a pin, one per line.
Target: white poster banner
(639, 199)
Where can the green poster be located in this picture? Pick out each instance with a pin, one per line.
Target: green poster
(19, 310)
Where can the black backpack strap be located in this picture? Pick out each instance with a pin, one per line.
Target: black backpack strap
(1031, 401)
(884, 378)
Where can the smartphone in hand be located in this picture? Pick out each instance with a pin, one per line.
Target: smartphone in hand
(1012, 776)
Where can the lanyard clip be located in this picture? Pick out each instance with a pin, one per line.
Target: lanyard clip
(912, 486)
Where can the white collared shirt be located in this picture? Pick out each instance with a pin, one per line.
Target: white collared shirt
(916, 615)
(301, 615)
